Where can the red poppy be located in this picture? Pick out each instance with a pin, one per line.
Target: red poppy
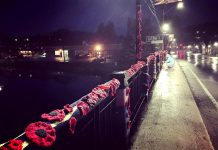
(72, 124)
(15, 144)
(93, 96)
(130, 72)
(56, 115)
(91, 99)
(100, 92)
(83, 108)
(3, 148)
(111, 85)
(41, 133)
(68, 108)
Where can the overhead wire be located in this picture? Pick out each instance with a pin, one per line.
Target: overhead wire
(153, 11)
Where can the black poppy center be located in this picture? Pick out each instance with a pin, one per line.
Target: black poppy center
(15, 144)
(53, 113)
(41, 133)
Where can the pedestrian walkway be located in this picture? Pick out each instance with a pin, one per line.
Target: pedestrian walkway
(172, 121)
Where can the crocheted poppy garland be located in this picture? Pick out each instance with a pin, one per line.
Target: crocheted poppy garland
(72, 125)
(135, 68)
(68, 108)
(13, 145)
(55, 115)
(41, 133)
(100, 92)
(83, 108)
(44, 135)
(4, 148)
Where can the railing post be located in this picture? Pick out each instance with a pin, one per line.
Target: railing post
(122, 118)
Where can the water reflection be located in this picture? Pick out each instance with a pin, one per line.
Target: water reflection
(1, 88)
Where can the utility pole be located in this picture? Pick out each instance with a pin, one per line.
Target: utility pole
(139, 47)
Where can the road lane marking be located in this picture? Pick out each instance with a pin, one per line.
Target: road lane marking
(213, 100)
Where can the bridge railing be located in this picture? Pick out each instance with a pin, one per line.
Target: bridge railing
(101, 119)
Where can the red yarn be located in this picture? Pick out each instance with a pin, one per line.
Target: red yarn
(56, 115)
(68, 108)
(4, 148)
(41, 133)
(15, 144)
(100, 92)
(93, 96)
(72, 123)
(83, 108)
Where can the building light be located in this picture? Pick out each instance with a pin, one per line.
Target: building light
(189, 46)
(215, 44)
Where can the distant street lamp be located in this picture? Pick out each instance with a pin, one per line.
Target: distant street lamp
(215, 44)
(165, 28)
(180, 5)
(98, 49)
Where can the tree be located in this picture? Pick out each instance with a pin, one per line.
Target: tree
(106, 32)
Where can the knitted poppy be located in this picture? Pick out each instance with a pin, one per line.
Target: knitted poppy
(91, 99)
(83, 108)
(100, 92)
(55, 115)
(130, 72)
(41, 133)
(68, 108)
(93, 96)
(72, 125)
(3, 148)
(15, 144)
(112, 85)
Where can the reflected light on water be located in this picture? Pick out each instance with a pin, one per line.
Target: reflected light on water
(61, 59)
(1, 88)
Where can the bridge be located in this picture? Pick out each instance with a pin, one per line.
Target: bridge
(144, 107)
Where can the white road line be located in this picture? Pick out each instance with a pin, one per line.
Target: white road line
(213, 100)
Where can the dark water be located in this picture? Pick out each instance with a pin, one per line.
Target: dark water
(25, 97)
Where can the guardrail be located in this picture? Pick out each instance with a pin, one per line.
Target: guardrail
(101, 119)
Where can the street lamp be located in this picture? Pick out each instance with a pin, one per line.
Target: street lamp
(180, 5)
(215, 44)
(98, 49)
(165, 27)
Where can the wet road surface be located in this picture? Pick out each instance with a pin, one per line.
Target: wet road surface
(202, 76)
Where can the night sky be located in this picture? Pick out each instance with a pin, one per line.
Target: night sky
(27, 17)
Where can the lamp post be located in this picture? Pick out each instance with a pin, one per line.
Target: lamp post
(98, 49)
(138, 30)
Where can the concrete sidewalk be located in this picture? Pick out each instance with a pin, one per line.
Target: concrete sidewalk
(172, 121)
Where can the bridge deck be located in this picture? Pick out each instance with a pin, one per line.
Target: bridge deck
(172, 120)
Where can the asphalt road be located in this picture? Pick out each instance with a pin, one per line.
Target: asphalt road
(202, 77)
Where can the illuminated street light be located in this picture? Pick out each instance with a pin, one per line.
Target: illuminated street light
(215, 44)
(98, 47)
(165, 27)
(180, 5)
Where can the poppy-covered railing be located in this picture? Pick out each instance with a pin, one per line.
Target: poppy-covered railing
(101, 119)
(135, 84)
